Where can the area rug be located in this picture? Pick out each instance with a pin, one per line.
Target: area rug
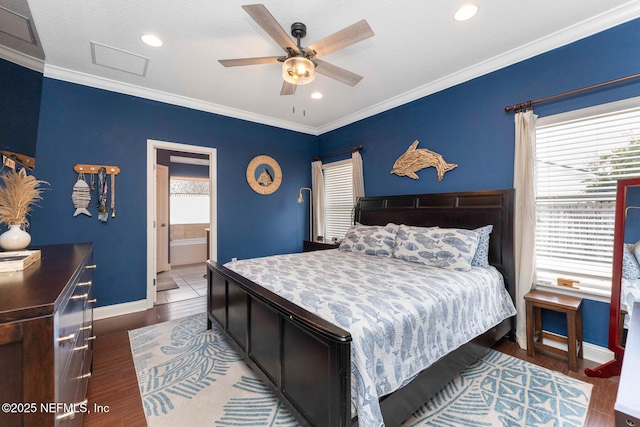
(192, 377)
(165, 283)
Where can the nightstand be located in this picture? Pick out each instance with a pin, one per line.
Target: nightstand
(536, 301)
(308, 246)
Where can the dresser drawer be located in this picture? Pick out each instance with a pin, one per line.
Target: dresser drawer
(69, 319)
(69, 386)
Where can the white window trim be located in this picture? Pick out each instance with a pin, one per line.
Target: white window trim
(611, 107)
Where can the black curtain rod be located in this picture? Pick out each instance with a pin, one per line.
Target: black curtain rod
(529, 104)
(348, 150)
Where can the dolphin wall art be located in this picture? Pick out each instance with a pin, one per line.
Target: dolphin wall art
(413, 160)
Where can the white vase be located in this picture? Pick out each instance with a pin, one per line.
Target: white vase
(14, 239)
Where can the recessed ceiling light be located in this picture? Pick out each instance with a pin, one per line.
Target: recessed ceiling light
(151, 40)
(466, 12)
(316, 95)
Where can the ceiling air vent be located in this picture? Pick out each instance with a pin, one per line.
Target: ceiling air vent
(119, 59)
(16, 25)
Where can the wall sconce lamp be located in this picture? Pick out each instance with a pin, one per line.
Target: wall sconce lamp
(301, 200)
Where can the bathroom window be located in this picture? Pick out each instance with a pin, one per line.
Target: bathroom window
(189, 200)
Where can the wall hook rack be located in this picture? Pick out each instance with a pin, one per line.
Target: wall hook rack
(86, 168)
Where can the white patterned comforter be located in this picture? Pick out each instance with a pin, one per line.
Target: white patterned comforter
(402, 316)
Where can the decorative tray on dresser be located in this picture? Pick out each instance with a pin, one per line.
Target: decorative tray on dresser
(46, 338)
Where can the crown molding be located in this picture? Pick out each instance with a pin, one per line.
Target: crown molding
(21, 59)
(59, 73)
(581, 30)
(604, 21)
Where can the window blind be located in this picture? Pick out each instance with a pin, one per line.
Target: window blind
(338, 194)
(577, 165)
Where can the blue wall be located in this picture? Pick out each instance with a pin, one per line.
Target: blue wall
(85, 125)
(467, 124)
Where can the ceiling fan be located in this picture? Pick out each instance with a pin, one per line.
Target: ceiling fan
(301, 63)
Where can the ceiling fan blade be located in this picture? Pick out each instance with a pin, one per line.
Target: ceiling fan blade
(263, 17)
(288, 88)
(251, 61)
(343, 38)
(337, 73)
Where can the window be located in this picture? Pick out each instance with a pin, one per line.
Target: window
(579, 157)
(189, 200)
(338, 195)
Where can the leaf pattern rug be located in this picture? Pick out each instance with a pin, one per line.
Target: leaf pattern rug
(192, 377)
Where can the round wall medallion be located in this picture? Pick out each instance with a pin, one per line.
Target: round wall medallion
(264, 174)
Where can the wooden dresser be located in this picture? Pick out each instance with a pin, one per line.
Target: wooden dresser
(46, 339)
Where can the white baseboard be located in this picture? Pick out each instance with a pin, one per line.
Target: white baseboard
(590, 351)
(119, 309)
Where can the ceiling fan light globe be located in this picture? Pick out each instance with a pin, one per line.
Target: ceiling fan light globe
(298, 71)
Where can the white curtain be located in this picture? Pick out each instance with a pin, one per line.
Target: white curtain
(317, 186)
(525, 215)
(358, 176)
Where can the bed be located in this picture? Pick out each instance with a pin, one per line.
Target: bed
(307, 360)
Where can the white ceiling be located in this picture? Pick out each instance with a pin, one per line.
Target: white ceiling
(417, 49)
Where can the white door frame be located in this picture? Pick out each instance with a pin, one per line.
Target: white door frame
(152, 147)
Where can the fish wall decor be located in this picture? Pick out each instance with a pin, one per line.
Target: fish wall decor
(81, 196)
(415, 159)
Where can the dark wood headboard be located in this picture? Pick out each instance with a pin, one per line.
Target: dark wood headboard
(468, 210)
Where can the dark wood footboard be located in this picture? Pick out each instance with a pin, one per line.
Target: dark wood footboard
(305, 359)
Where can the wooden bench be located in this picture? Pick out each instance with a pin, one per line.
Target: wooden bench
(571, 306)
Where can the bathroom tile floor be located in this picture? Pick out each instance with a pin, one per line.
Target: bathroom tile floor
(191, 280)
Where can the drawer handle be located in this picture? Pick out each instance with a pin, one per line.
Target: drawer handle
(88, 283)
(66, 416)
(83, 296)
(82, 347)
(90, 267)
(91, 338)
(86, 328)
(71, 414)
(87, 375)
(92, 301)
(68, 338)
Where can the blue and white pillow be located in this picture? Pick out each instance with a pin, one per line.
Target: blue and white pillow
(481, 257)
(630, 266)
(448, 248)
(370, 239)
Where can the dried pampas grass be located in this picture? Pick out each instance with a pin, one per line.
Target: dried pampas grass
(19, 193)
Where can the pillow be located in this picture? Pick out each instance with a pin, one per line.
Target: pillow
(448, 248)
(635, 250)
(370, 239)
(481, 257)
(630, 266)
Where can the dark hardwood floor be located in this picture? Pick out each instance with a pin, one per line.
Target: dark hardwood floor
(113, 384)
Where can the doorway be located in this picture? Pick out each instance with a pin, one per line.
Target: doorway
(158, 273)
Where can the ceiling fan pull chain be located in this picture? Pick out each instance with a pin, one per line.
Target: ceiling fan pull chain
(304, 97)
